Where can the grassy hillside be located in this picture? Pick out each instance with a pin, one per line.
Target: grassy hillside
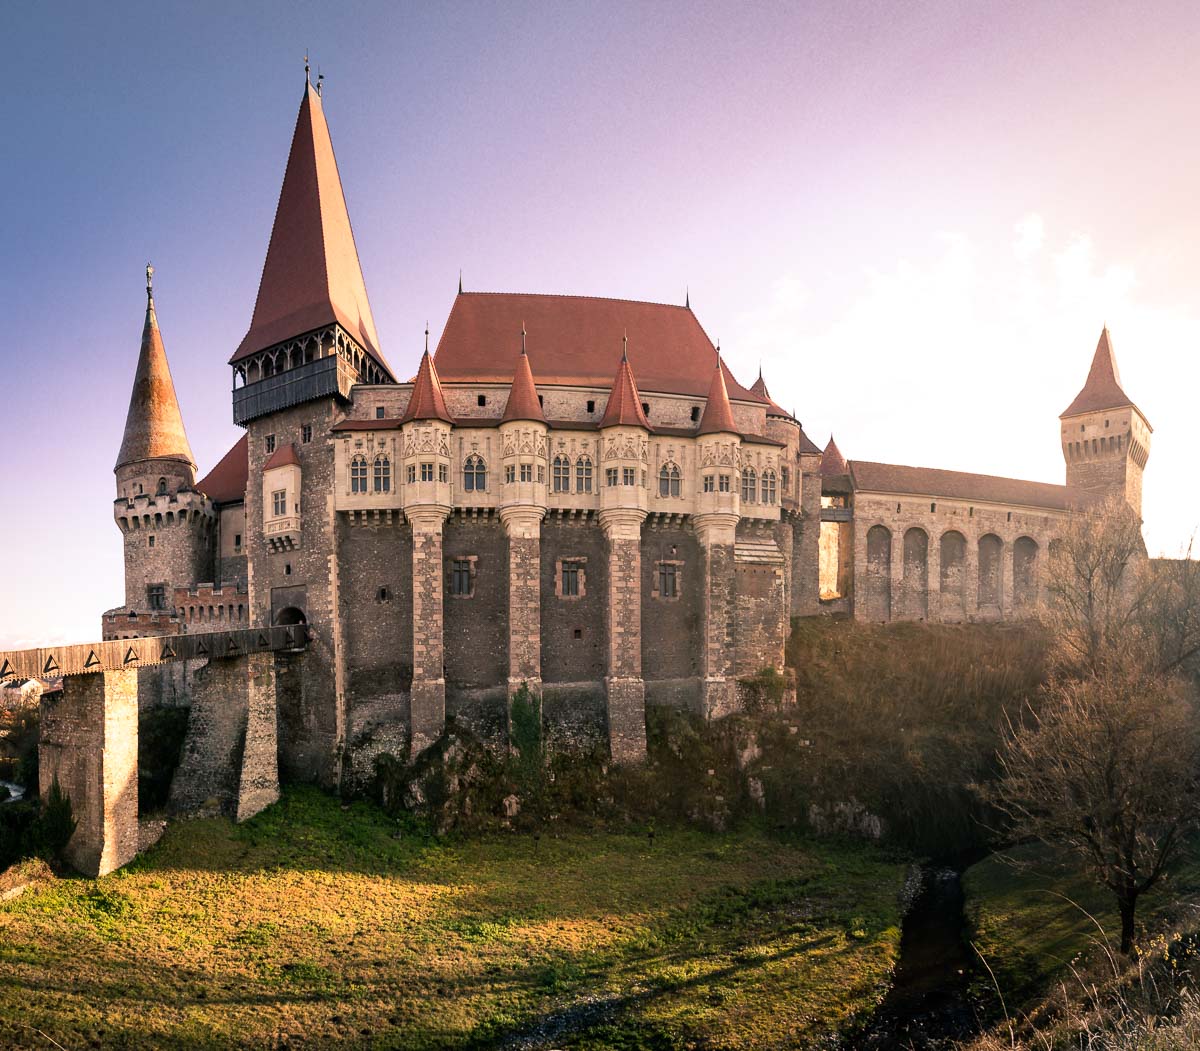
(316, 922)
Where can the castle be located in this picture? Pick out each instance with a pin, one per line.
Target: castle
(573, 495)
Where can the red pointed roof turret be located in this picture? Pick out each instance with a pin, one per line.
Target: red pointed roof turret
(523, 401)
(311, 277)
(759, 387)
(624, 408)
(427, 401)
(1103, 387)
(284, 456)
(832, 461)
(718, 413)
(153, 425)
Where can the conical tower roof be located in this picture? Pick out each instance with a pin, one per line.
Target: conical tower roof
(427, 401)
(1103, 387)
(759, 387)
(311, 277)
(833, 462)
(624, 408)
(523, 401)
(718, 413)
(154, 424)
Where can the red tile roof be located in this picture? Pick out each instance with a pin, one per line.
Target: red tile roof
(718, 414)
(226, 483)
(807, 446)
(833, 462)
(523, 401)
(958, 485)
(577, 340)
(427, 401)
(624, 407)
(759, 387)
(284, 456)
(311, 277)
(1103, 387)
(153, 424)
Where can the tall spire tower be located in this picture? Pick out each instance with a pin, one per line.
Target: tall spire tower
(312, 311)
(167, 525)
(1105, 437)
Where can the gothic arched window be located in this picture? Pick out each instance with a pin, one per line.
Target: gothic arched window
(561, 475)
(474, 474)
(383, 474)
(583, 474)
(749, 486)
(668, 480)
(768, 486)
(358, 474)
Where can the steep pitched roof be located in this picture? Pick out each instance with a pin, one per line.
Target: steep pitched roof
(807, 446)
(959, 485)
(718, 413)
(427, 401)
(523, 401)
(832, 461)
(759, 387)
(226, 483)
(578, 341)
(153, 425)
(284, 456)
(311, 277)
(624, 407)
(1103, 387)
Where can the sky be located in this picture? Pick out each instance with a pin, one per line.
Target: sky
(915, 217)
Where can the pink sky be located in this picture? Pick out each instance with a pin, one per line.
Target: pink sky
(916, 217)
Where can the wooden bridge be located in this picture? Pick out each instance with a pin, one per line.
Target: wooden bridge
(88, 736)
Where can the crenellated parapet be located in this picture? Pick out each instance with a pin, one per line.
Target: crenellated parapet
(146, 511)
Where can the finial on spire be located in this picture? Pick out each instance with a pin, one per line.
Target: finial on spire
(150, 280)
(460, 280)
(320, 78)
(426, 337)
(718, 351)
(522, 338)
(625, 346)
(307, 80)
(687, 297)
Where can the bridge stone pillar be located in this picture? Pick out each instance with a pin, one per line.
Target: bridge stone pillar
(717, 534)
(523, 525)
(624, 686)
(229, 762)
(89, 745)
(427, 698)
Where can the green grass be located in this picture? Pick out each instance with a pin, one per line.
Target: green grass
(321, 923)
(1035, 919)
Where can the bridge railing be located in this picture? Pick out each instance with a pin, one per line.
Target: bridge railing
(125, 654)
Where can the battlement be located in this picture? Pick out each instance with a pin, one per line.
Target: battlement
(227, 605)
(157, 511)
(125, 623)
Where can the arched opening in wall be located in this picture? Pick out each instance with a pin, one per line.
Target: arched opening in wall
(1025, 573)
(914, 594)
(953, 576)
(990, 550)
(877, 598)
(291, 615)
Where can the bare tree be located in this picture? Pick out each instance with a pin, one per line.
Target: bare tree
(1106, 767)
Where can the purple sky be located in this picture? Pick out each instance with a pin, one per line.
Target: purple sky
(917, 218)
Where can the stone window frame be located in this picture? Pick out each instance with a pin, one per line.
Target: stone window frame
(510, 473)
(427, 471)
(583, 474)
(278, 503)
(769, 491)
(611, 476)
(749, 485)
(358, 474)
(526, 472)
(443, 473)
(156, 592)
(723, 484)
(560, 475)
(305, 433)
(472, 573)
(670, 479)
(412, 474)
(710, 483)
(474, 474)
(574, 560)
(785, 478)
(382, 474)
(629, 476)
(269, 443)
(655, 591)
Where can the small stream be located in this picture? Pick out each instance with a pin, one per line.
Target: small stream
(928, 1007)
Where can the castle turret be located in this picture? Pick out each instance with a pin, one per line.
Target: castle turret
(522, 508)
(719, 448)
(624, 460)
(425, 429)
(167, 525)
(1105, 437)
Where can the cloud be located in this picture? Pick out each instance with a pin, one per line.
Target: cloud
(1030, 234)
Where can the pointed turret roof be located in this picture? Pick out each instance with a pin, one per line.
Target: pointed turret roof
(718, 413)
(311, 277)
(523, 401)
(154, 424)
(624, 406)
(832, 461)
(759, 387)
(1103, 387)
(427, 401)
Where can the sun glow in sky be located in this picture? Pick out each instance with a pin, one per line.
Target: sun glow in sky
(915, 217)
